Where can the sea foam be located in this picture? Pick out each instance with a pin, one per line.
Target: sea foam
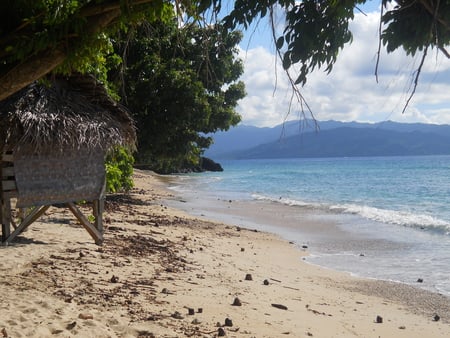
(408, 219)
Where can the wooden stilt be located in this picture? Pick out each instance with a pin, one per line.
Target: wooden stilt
(98, 207)
(6, 219)
(91, 229)
(33, 216)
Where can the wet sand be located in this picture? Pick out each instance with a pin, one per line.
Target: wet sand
(164, 273)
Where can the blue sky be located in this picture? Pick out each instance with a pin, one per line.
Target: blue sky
(350, 92)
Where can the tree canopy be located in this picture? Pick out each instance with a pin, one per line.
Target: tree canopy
(180, 83)
(41, 36)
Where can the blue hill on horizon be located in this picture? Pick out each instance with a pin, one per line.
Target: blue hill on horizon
(331, 139)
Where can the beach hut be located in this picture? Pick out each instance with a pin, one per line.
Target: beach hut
(54, 136)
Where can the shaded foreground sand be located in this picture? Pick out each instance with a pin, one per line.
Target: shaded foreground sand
(163, 273)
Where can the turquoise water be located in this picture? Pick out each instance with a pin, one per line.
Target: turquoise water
(398, 207)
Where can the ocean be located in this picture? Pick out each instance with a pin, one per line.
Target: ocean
(389, 217)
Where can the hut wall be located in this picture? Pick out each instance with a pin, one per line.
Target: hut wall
(51, 178)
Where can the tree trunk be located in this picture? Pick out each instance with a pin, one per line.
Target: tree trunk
(31, 70)
(39, 65)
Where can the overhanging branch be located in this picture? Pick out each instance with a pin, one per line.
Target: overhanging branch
(37, 66)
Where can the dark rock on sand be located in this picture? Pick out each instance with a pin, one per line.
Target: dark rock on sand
(248, 277)
(221, 332)
(266, 282)
(71, 325)
(228, 322)
(379, 320)
(237, 302)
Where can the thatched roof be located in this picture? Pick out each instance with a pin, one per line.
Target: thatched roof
(70, 113)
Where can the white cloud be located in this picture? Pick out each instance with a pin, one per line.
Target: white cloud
(350, 92)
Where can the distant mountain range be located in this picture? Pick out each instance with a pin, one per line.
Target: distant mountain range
(332, 139)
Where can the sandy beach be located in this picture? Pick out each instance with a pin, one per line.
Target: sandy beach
(164, 273)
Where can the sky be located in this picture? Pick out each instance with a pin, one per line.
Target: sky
(350, 92)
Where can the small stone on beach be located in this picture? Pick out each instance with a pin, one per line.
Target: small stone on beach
(420, 280)
(191, 311)
(71, 326)
(221, 332)
(237, 302)
(266, 282)
(228, 322)
(177, 315)
(379, 320)
(436, 318)
(85, 316)
(248, 277)
(114, 279)
(280, 306)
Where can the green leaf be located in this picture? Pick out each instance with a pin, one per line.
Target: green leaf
(280, 42)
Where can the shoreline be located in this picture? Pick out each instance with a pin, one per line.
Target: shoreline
(341, 242)
(164, 273)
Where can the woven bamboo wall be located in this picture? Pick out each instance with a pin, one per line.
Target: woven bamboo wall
(58, 177)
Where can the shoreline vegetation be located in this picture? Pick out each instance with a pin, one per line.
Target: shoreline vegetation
(164, 273)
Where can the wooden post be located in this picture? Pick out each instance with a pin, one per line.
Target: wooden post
(98, 207)
(32, 216)
(6, 218)
(91, 229)
(7, 189)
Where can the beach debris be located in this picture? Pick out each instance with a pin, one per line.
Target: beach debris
(56, 331)
(85, 316)
(248, 277)
(242, 249)
(221, 332)
(191, 311)
(196, 321)
(280, 306)
(420, 280)
(114, 279)
(228, 322)
(166, 291)
(402, 327)
(361, 255)
(200, 310)
(237, 302)
(379, 320)
(304, 246)
(436, 317)
(70, 326)
(266, 282)
(4, 333)
(177, 315)
(145, 333)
